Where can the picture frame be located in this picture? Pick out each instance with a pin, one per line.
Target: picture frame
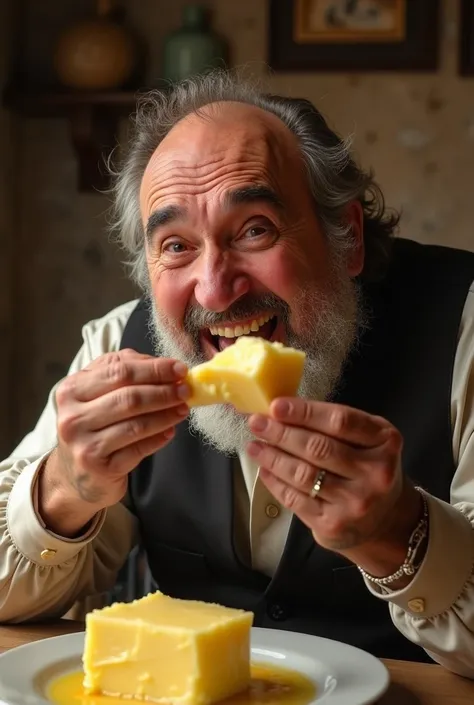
(353, 35)
(466, 38)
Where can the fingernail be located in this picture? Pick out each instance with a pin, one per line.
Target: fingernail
(182, 410)
(281, 407)
(169, 433)
(180, 369)
(258, 423)
(254, 448)
(183, 391)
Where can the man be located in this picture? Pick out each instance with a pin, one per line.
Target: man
(243, 213)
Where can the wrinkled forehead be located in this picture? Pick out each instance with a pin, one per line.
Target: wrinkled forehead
(223, 136)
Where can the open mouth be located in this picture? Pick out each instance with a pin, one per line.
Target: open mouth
(220, 337)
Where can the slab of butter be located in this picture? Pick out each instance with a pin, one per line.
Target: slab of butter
(166, 650)
(248, 374)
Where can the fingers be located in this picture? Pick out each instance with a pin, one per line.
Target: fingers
(306, 508)
(335, 420)
(116, 370)
(119, 405)
(360, 453)
(114, 413)
(301, 475)
(132, 455)
(297, 473)
(136, 431)
(109, 451)
(334, 526)
(308, 447)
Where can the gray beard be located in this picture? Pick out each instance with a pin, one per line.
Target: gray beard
(330, 325)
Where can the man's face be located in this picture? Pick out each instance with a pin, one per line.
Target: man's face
(234, 248)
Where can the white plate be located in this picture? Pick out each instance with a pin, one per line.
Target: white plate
(342, 674)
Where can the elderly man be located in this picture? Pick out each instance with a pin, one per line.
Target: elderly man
(347, 512)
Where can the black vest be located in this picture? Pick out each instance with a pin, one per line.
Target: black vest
(183, 495)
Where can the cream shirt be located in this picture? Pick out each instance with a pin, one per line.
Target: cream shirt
(44, 575)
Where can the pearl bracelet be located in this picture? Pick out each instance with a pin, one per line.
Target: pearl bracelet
(408, 566)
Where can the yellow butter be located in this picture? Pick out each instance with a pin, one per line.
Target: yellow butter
(168, 651)
(248, 374)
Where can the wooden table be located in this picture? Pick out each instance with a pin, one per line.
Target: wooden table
(411, 683)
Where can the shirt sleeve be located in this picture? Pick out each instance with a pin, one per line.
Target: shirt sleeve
(436, 609)
(43, 575)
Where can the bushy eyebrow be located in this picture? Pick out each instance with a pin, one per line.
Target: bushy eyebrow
(245, 194)
(253, 194)
(164, 216)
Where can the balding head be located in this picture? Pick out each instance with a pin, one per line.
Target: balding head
(244, 139)
(229, 122)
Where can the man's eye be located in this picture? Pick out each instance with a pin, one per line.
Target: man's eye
(174, 248)
(258, 236)
(256, 231)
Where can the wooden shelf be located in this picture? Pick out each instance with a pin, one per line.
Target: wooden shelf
(93, 118)
(51, 103)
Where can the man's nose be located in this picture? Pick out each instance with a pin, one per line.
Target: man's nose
(218, 283)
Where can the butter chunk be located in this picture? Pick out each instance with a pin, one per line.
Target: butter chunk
(248, 374)
(166, 650)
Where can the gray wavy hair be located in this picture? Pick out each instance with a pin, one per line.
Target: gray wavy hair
(335, 179)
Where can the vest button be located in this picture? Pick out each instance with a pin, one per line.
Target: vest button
(276, 612)
(272, 511)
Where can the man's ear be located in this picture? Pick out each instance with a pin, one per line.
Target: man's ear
(355, 220)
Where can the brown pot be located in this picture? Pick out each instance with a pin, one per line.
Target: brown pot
(97, 54)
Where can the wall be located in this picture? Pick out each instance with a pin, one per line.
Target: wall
(417, 131)
(7, 239)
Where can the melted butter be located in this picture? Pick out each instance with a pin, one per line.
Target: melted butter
(270, 685)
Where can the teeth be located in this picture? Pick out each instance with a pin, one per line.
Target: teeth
(236, 331)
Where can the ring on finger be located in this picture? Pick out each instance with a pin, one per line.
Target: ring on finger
(316, 489)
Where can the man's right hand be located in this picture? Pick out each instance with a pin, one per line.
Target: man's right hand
(123, 407)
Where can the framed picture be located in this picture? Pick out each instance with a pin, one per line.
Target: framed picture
(353, 35)
(466, 38)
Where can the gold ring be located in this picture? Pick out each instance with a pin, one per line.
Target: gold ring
(318, 484)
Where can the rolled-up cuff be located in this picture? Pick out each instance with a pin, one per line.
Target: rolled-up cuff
(27, 530)
(446, 568)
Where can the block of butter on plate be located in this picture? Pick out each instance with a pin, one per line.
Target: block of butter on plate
(161, 649)
(248, 374)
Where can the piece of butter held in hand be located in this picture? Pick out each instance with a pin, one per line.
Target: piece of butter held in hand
(248, 374)
(164, 650)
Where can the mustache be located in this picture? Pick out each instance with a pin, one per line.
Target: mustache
(248, 306)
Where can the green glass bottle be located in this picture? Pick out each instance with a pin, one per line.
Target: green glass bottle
(194, 48)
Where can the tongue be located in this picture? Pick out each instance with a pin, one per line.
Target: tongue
(264, 332)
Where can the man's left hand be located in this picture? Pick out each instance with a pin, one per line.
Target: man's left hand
(366, 509)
